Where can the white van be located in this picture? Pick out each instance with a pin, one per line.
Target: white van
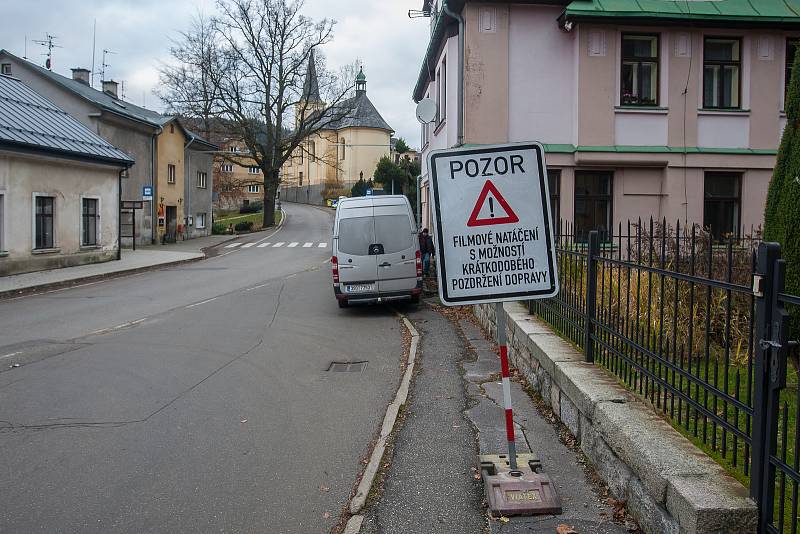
(375, 251)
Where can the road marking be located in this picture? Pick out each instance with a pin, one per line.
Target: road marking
(322, 245)
(279, 244)
(199, 303)
(264, 245)
(10, 355)
(308, 245)
(248, 245)
(293, 244)
(257, 287)
(232, 245)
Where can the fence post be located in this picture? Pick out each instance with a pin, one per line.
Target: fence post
(591, 294)
(765, 406)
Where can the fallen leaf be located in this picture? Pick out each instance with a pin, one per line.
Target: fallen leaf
(324, 488)
(477, 476)
(326, 515)
(565, 529)
(504, 519)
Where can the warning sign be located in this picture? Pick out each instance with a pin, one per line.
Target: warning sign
(492, 222)
(484, 212)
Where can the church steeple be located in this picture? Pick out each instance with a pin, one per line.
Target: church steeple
(361, 82)
(311, 85)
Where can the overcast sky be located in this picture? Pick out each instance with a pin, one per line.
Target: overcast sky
(378, 32)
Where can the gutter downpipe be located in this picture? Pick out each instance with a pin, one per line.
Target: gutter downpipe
(458, 17)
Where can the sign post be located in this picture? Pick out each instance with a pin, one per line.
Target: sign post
(492, 222)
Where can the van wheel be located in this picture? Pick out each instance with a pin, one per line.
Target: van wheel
(343, 304)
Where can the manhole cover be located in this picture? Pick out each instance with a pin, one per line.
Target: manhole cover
(347, 367)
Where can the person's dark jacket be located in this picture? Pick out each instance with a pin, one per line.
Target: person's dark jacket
(426, 244)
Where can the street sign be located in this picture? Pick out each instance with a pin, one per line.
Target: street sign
(147, 192)
(131, 205)
(492, 221)
(369, 192)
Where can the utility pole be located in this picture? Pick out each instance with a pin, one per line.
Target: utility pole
(48, 42)
(94, 49)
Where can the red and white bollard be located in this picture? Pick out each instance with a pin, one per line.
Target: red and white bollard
(500, 321)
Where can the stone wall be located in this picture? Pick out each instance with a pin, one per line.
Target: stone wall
(304, 195)
(669, 484)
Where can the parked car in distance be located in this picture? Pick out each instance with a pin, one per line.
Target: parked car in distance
(376, 254)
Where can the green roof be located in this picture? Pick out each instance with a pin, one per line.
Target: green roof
(747, 12)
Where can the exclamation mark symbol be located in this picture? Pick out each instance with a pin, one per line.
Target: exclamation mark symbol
(491, 206)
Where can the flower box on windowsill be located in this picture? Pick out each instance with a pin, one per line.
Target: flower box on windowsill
(46, 250)
(656, 110)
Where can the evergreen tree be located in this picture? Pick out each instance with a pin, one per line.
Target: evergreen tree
(782, 211)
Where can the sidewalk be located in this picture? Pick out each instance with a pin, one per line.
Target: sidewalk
(454, 413)
(132, 260)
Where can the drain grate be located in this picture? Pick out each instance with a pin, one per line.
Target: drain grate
(347, 367)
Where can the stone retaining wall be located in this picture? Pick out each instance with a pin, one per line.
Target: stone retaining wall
(670, 485)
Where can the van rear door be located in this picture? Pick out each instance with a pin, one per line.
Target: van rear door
(358, 269)
(397, 269)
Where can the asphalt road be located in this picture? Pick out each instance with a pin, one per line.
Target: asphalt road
(194, 398)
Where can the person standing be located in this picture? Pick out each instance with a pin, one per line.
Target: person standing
(426, 249)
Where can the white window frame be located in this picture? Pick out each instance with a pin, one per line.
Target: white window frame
(202, 184)
(227, 167)
(5, 68)
(34, 196)
(254, 188)
(80, 218)
(172, 171)
(253, 170)
(200, 217)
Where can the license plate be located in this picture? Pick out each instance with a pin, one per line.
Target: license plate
(359, 288)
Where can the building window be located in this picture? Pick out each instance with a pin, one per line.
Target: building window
(722, 206)
(44, 222)
(5, 68)
(202, 180)
(233, 148)
(312, 152)
(341, 142)
(441, 113)
(170, 173)
(171, 128)
(554, 185)
(89, 220)
(253, 188)
(200, 221)
(253, 170)
(593, 204)
(639, 71)
(721, 73)
(227, 167)
(301, 177)
(791, 48)
(301, 154)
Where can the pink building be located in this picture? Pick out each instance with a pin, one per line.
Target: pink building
(660, 108)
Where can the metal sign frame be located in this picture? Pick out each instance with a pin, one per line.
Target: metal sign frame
(505, 296)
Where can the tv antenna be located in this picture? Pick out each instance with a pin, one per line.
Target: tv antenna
(48, 42)
(103, 65)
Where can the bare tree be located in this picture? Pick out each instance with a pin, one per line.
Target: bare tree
(246, 68)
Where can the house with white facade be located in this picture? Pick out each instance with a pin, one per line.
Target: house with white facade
(60, 186)
(669, 109)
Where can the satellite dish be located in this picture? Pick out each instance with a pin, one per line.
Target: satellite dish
(426, 110)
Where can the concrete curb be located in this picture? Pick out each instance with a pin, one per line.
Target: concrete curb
(354, 524)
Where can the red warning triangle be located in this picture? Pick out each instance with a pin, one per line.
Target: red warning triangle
(493, 216)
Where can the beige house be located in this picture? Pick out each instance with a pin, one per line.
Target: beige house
(345, 150)
(665, 109)
(60, 186)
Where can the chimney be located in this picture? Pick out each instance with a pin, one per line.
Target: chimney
(80, 74)
(110, 88)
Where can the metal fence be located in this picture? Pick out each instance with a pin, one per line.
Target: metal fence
(689, 323)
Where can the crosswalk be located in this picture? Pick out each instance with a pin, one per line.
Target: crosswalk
(279, 244)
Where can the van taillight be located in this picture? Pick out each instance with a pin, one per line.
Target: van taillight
(335, 268)
(419, 264)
